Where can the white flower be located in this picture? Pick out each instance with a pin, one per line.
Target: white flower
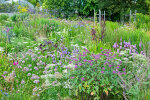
(50, 65)
(65, 71)
(47, 76)
(70, 66)
(1, 49)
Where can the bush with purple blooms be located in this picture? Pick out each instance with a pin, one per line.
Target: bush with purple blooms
(107, 74)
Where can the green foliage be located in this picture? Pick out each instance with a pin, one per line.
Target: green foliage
(148, 3)
(142, 21)
(4, 17)
(7, 7)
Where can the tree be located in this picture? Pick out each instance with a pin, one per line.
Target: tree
(148, 3)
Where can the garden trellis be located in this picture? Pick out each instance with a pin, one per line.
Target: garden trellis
(130, 15)
(100, 16)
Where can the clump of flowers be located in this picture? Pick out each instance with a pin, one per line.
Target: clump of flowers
(96, 73)
(104, 73)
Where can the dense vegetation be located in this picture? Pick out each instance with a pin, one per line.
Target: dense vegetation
(43, 57)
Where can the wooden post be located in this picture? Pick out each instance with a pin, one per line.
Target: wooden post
(135, 16)
(94, 17)
(99, 16)
(130, 17)
(104, 15)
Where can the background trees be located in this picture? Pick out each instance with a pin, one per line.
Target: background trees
(115, 9)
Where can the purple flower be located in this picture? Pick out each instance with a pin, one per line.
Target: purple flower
(114, 72)
(110, 65)
(102, 72)
(149, 76)
(29, 74)
(29, 65)
(33, 59)
(23, 61)
(120, 47)
(119, 73)
(120, 44)
(134, 46)
(36, 81)
(124, 73)
(35, 89)
(22, 82)
(3, 76)
(64, 52)
(103, 67)
(117, 50)
(80, 64)
(35, 77)
(79, 58)
(115, 45)
(36, 68)
(72, 77)
(75, 59)
(82, 79)
(124, 69)
(7, 30)
(84, 53)
(91, 64)
(118, 67)
(86, 50)
(130, 51)
(140, 44)
(133, 50)
(70, 62)
(26, 69)
(96, 56)
(5, 72)
(37, 64)
(85, 60)
(45, 72)
(76, 66)
(90, 61)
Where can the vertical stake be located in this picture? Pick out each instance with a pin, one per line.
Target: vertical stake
(135, 16)
(130, 17)
(99, 16)
(104, 15)
(94, 17)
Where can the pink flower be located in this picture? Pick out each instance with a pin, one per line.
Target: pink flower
(124, 69)
(84, 60)
(15, 63)
(102, 72)
(82, 79)
(7, 30)
(80, 64)
(114, 72)
(76, 66)
(86, 50)
(72, 77)
(84, 53)
(110, 65)
(103, 68)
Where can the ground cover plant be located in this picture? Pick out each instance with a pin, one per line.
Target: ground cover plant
(47, 58)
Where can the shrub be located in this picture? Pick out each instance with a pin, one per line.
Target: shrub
(102, 75)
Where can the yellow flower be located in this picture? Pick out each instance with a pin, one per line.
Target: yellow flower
(19, 7)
